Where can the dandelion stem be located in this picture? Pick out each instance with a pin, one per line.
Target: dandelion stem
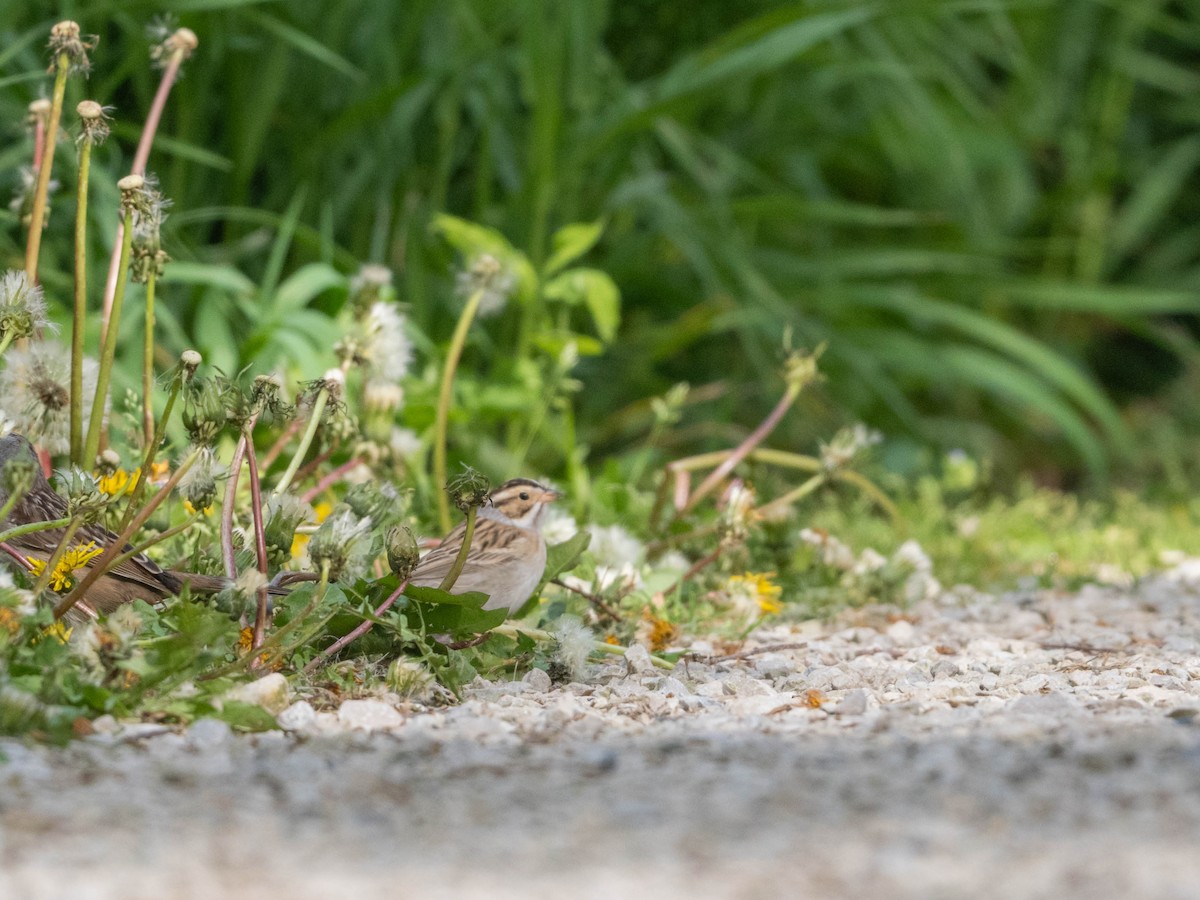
(79, 315)
(756, 437)
(305, 440)
(461, 559)
(5, 341)
(37, 215)
(148, 360)
(104, 563)
(140, 158)
(331, 479)
(152, 448)
(358, 631)
(109, 352)
(260, 537)
(32, 528)
(793, 495)
(453, 355)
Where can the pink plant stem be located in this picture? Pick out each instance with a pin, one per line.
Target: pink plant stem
(290, 432)
(682, 483)
(231, 484)
(140, 158)
(16, 555)
(756, 437)
(39, 142)
(330, 479)
(310, 467)
(358, 631)
(260, 543)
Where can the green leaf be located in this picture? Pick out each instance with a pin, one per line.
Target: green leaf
(570, 242)
(245, 716)
(458, 614)
(224, 277)
(564, 557)
(305, 284)
(594, 289)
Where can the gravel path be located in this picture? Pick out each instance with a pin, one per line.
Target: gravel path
(1027, 746)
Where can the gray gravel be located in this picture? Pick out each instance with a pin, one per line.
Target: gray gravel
(1045, 745)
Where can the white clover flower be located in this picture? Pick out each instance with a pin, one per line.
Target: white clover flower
(613, 545)
(870, 560)
(405, 443)
(830, 550)
(573, 642)
(558, 526)
(911, 554)
(36, 387)
(847, 444)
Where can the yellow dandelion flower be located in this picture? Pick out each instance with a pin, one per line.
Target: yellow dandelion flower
(191, 510)
(119, 482)
(159, 472)
(655, 633)
(61, 578)
(9, 620)
(757, 591)
(58, 631)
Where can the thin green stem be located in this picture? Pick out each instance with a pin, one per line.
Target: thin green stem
(109, 353)
(5, 341)
(148, 361)
(37, 215)
(152, 449)
(33, 527)
(79, 315)
(306, 440)
(461, 559)
(792, 496)
(457, 341)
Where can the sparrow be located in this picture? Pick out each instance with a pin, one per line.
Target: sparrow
(138, 578)
(508, 553)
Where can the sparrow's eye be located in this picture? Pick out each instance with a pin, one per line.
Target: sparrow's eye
(524, 495)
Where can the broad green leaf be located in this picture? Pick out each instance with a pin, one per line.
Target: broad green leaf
(457, 614)
(570, 242)
(304, 285)
(563, 557)
(594, 289)
(223, 277)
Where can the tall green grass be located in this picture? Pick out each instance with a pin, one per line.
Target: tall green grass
(988, 209)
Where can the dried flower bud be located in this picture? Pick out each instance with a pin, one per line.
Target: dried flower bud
(370, 285)
(66, 38)
(204, 410)
(847, 444)
(190, 360)
(84, 498)
(39, 113)
(402, 552)
(181, 43)
(285, 513)
(93, 122)
(267, 398)
(108, 461)
(378, 501)
(199, 484)
(469, 490)
(800, 369)
(343, 543)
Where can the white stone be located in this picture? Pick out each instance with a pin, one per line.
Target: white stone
(538, 680)
(300, 716)
(638, 659)
(271, 692)
(368, 715)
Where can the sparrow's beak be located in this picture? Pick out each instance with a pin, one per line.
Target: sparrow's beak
(550, 495)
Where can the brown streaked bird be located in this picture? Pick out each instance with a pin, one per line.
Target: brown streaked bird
(138, 578)
(507, 555)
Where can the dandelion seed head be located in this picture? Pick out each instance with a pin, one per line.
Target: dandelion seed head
(573, 642)
(35, 385)
(22, 306)
(487, 274)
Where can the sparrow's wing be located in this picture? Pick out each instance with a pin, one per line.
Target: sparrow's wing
(492, 547)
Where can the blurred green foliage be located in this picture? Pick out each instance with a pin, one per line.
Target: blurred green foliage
(988, 209)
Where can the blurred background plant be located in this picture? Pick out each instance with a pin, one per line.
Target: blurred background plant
(987, 210)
